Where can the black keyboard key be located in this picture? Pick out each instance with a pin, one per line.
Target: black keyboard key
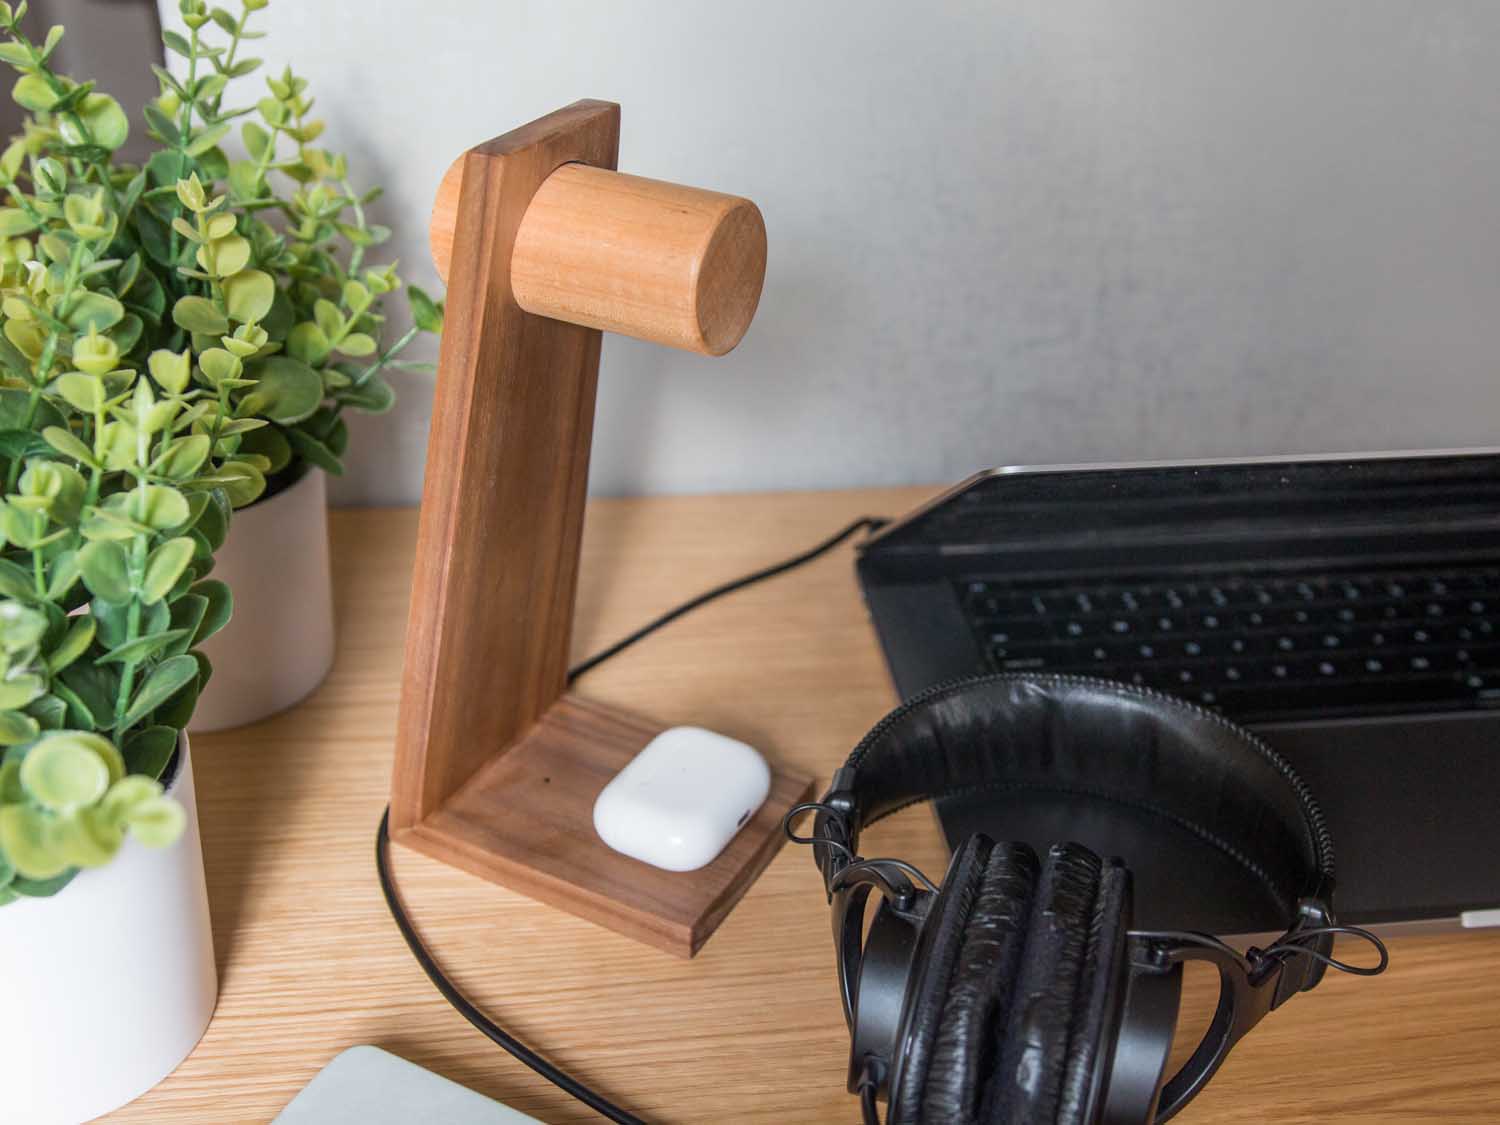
(1017, 629)
(1080, 629)
(1251, 644)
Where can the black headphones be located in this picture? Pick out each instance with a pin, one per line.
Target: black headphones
(1017, 991)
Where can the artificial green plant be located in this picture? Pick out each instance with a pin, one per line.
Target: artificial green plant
(170, 336)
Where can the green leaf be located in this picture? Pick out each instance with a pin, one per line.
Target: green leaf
(142, 648)
(182, 458)
(241, 481)
(244, 66)
(165, 507)
(164, 566)
(16, 581)
(314, 452)
(426, 313)
(308, 343)
(157, 822)
(106, 570)
(105, 121)
(286, 390)
(79, 714)
(164, 682)
(268, 442)
(84, 393)
(244, 180)
(19, 690)
(15, 222)
(356, 296)
(97, 311)
(120, 447)
(172, 371)
(220, 608)
(198, 314)
(42, 888)
(357, 344)
(66, 443)
(248, 295)
(256, 139)
(29, 840)
(127, 333)
(164, 127)
(328, 317)
(49, 711)
(217, 364)
(176, 42)
(32, 92)
(62, 575)
(74, 644)
(148, 751)
(205, 139)
(213, 520)
(188, 613)
(177, 712)
(68, 769)
(375, 396)
(16, 729)
(114, 621)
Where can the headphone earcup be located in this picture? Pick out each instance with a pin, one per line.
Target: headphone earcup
(1100, 991)
(1032, 1051)
(989, 958)
(948, 914)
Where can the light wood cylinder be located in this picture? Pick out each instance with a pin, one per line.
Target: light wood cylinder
(658, 261)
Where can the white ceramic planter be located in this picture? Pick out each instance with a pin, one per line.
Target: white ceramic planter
(109, 984)
(278, 646)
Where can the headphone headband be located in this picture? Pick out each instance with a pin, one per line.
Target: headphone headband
(1092, 738)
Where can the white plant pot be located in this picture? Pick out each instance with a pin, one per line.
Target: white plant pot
(108, 984)
(278, 646)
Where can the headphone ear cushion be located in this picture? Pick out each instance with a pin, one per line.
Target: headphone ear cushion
(1032, 1052)
(1099, 992)
(948, 914)
(989, 958)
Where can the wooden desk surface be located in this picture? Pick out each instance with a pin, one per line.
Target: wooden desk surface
(750, 1030)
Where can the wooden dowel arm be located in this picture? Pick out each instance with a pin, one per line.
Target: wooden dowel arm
(658, 261)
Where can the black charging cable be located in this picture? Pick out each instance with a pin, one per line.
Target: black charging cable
(502, 1038)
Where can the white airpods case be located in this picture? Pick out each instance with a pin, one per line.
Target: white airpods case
(679, 802)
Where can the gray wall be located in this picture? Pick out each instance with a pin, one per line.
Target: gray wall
(1048, 231)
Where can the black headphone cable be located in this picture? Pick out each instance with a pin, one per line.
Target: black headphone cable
(498, 1035)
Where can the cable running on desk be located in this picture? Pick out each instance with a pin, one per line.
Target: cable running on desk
(498, 1035)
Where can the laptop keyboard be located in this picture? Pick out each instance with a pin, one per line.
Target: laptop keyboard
(1260, 647)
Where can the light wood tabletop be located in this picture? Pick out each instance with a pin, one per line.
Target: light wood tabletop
(749, 1030)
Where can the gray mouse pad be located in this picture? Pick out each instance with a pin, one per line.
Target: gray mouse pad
(368, 1086)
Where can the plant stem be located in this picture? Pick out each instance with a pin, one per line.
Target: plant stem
(390, 353)
(133, 614)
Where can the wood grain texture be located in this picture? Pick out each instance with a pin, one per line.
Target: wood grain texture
(526, 821)
(507, 470)
(676, 265)
(750, 1030)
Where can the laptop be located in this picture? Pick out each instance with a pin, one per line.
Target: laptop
(1345, 608)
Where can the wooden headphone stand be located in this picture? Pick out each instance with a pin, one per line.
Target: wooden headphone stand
(497, 768)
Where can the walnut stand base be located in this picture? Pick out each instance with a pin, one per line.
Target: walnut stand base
(525, 821)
